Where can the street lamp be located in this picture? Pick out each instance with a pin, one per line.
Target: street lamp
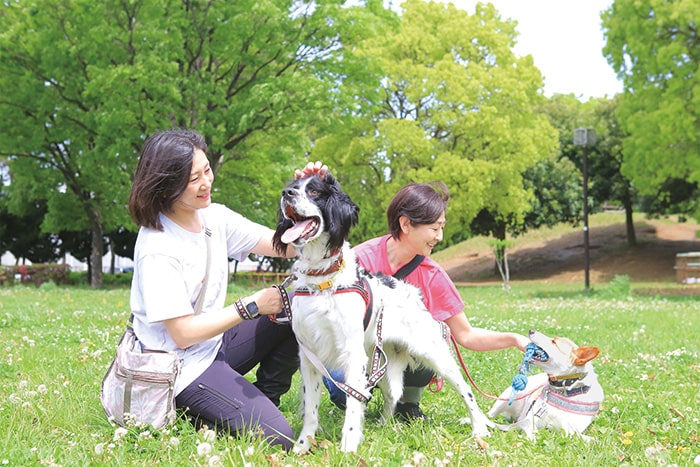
(585, 137)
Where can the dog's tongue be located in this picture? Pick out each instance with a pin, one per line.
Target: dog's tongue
(295, 231)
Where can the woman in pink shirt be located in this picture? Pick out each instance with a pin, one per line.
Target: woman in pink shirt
(416, 217)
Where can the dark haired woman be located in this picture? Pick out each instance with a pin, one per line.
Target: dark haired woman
(171, 203)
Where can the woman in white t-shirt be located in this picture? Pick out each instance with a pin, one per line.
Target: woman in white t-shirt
(171, 203)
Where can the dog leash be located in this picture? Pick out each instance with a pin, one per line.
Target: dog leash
(476, 386)
(379, 359)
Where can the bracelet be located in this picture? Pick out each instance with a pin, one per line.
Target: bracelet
(242, 310)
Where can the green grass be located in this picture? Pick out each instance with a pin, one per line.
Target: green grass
(56, 344)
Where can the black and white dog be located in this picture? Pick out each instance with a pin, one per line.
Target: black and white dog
(345, 318)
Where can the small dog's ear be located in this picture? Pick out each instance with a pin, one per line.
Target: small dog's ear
(585, 354)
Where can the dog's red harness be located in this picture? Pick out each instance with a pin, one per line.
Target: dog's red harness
(379, 360)
(361, 286)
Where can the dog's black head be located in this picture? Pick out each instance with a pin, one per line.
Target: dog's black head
(314, 208)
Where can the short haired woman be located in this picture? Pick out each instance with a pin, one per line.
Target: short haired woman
(171, 203)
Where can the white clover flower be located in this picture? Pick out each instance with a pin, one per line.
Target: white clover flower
(209, 436)
(23, 384)
(100, 449)
(174, 441)
(14, 398)
(418, 458)
(615, 410)
(250, 450)
(119, 433)
(214, 461)
(42, 389)
(204, 449)
(697, 460)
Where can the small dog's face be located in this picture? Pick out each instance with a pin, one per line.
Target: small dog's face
(313, 208)
(562, 355)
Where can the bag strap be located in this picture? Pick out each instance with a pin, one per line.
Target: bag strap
(409, 267)
(200, 296)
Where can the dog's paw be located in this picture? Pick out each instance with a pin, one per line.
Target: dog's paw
(304, 445)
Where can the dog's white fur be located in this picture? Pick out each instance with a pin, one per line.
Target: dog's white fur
(331, 324)
(549, 402)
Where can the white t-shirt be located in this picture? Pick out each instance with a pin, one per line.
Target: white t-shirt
(169, 269)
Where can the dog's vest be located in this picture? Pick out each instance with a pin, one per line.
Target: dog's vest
(361, 286)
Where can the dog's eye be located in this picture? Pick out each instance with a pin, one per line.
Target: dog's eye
(313, 193)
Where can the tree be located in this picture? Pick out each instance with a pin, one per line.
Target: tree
(85, 82)
(654, 47)
(444, 98)
(22, 236)
(607, 160)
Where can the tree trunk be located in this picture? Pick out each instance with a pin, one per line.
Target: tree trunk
(96, 252)
(499, 232)
(112, 257)
(629, 221)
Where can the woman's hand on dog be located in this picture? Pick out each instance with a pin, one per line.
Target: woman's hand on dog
(269, 301)
(312, 168)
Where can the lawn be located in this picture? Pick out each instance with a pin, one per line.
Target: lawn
(56, 344)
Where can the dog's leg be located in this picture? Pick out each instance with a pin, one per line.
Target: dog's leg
(451, 373)
(437, 355)
(354, 409)
(392, 383)
(311, 398)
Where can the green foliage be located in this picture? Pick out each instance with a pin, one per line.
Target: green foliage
(60, 341)
(655, 48)
(84, 83)
(619, 287)
(449, 101)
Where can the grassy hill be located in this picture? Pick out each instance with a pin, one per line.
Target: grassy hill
(556, 255)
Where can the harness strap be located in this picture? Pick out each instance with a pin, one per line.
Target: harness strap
(361, 287)
(362, 396)
(565, 403)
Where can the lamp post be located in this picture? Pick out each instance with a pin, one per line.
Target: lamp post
(585, 137)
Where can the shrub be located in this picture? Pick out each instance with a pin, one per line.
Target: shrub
(43, 272)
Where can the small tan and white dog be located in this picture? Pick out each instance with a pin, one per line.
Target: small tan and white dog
(566, 396)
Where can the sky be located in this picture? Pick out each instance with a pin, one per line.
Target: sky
(565, 40)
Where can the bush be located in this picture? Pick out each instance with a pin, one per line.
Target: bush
(619, 287)
(43, 272)
(7, 275)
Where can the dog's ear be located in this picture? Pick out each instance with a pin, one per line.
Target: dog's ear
(585, 354)
(283, 224)
(341, 214)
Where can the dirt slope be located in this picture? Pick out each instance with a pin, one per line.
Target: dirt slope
(561, 260)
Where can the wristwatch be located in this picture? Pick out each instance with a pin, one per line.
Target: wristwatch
(252, 309)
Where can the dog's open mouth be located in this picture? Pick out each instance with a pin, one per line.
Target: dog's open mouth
(539, 354)
(304, 227)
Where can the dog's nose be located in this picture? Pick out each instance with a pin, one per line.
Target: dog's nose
(289, 192)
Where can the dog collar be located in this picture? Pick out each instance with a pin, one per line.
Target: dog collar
(335, 266)
(566, 380)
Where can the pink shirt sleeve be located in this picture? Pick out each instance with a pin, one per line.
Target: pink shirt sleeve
(439, 292)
